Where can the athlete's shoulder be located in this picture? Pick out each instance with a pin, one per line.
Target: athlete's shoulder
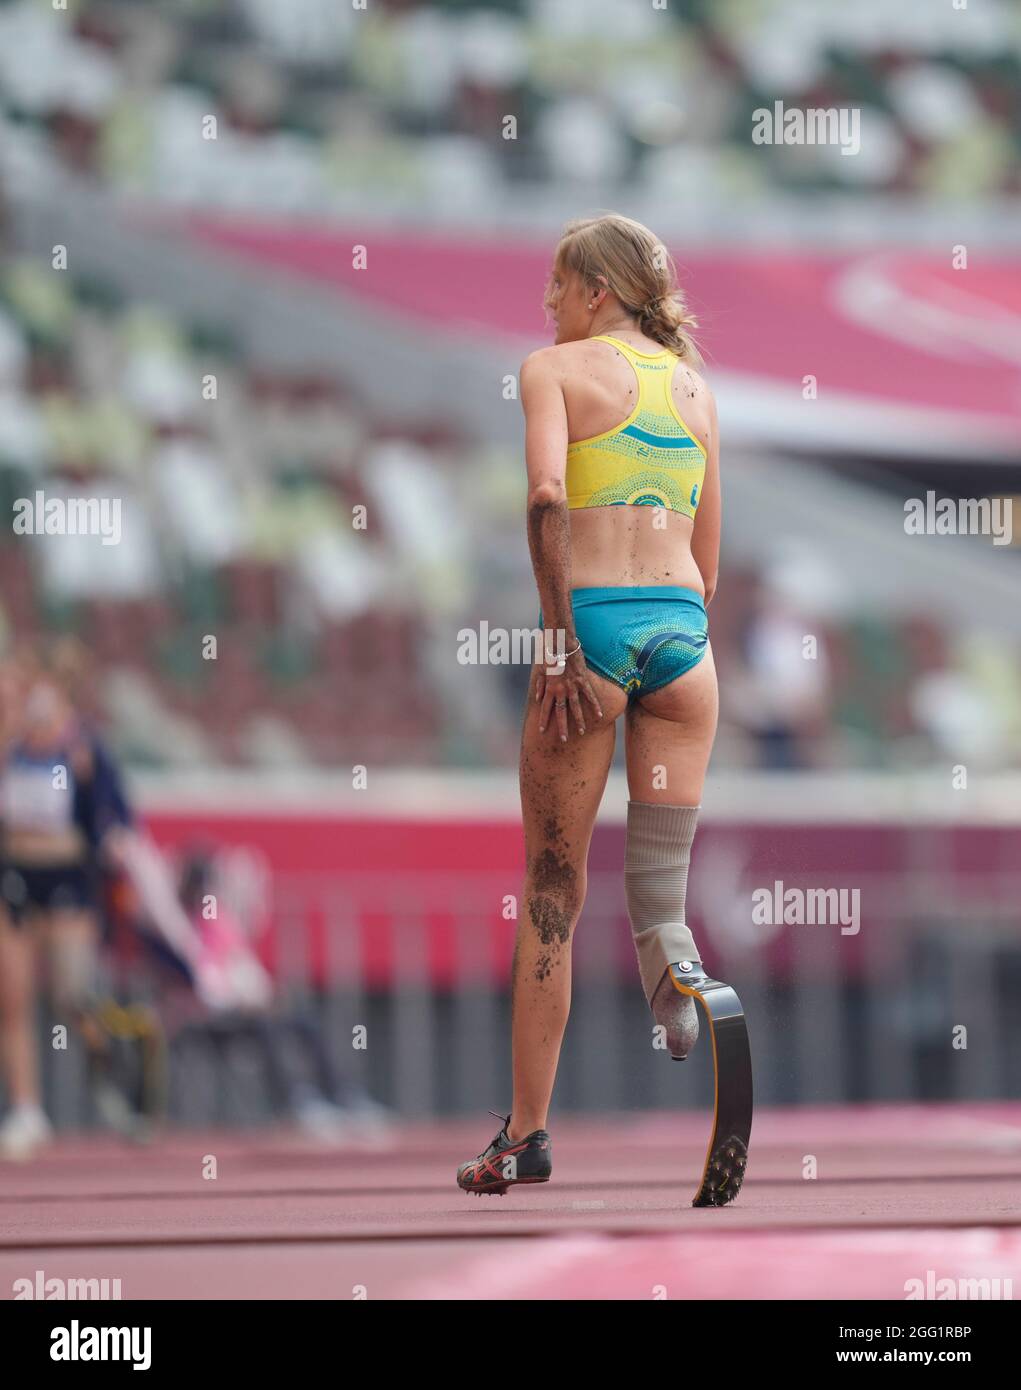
(547, 361)
(544, 375)
(694, 397)
(693, 373)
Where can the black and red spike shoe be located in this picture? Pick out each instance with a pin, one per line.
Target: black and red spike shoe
(508, 1161)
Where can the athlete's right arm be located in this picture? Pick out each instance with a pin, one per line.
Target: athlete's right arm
(705, 539)
(549, 537)
(549, 527)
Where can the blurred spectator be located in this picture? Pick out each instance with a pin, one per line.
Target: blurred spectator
(780, 693)
(239, 997)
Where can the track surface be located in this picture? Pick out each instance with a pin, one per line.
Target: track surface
(900, 1191)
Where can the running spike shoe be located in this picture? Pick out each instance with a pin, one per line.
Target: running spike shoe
(508, 1161)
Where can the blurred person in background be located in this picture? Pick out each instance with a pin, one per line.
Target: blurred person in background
(47, 885)
(623, 515)
(118, 841)
(780, 691)
(240, 1001)
(963, 698)
(66, 819)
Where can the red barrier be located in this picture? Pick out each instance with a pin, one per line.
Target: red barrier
(370, 874)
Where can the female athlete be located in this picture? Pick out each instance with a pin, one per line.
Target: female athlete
(623, 515)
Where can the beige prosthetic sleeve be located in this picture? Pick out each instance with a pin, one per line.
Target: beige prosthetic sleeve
(656, 859)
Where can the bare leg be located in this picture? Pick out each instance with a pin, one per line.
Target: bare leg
(670, 736)
(562, 785)
(17, 1012)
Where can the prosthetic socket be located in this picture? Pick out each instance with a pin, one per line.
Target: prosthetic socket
(656, 860)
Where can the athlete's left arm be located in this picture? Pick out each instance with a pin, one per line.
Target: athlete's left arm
(705, 539)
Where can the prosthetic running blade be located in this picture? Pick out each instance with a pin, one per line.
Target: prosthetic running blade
(727, 1154)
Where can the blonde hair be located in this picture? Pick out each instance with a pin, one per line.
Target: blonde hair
(638, 269)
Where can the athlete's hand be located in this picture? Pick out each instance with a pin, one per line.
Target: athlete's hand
(558, 694)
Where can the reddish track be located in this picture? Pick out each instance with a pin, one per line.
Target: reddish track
(900, 1191)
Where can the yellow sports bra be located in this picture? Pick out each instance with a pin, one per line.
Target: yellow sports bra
(649, 459)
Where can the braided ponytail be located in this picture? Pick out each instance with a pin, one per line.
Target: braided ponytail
(666, 319)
